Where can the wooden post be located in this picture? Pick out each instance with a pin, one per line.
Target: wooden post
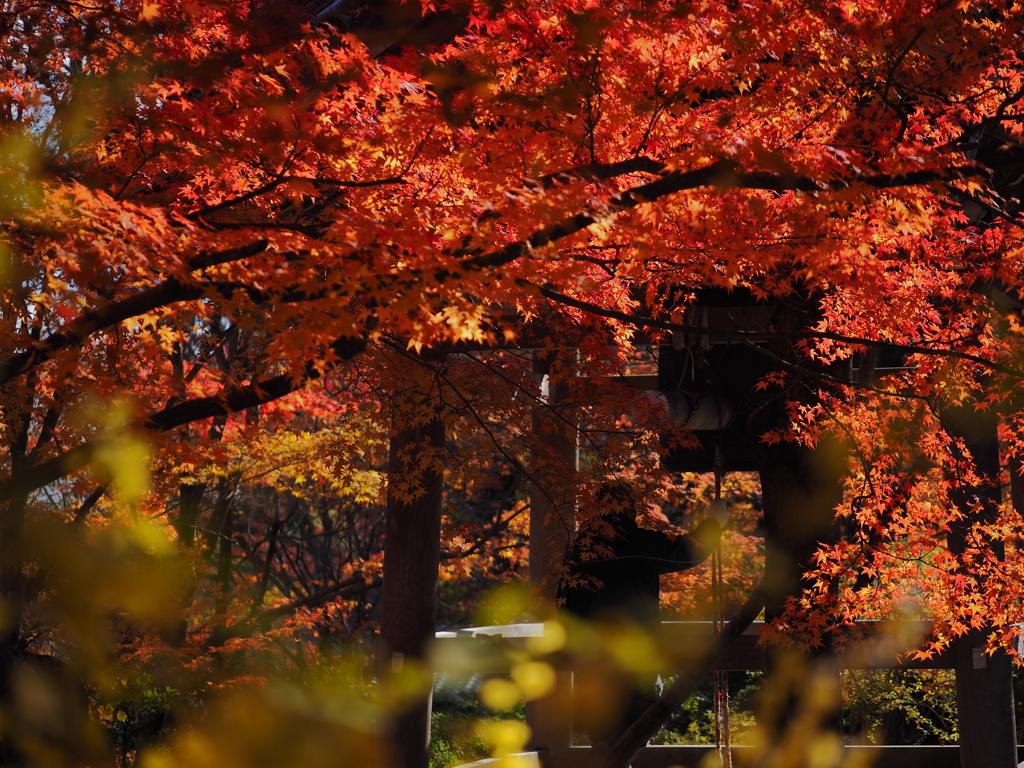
(800, 490)
(552, 492)
(984, 702)
(552, 519)
(412, 548)
(984, 684)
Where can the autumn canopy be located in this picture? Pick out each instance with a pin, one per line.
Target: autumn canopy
(228, 229)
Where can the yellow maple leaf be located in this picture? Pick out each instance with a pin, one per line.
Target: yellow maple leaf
(149, 12)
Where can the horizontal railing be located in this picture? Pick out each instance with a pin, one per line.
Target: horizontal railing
(681, 641)
(484, 650)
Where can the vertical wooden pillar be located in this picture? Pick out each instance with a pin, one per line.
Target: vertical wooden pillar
(984, 684)
(552, 492)
(552, 520)
(412, 554)
(984, 702)
(800, 489)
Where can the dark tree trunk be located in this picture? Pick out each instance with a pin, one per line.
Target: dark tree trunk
(412, 555)
(552, 521)
(219, 537)
(553, 488)
(190, 497)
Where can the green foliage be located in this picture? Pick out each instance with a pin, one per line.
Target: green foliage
(694, 721)
(900, 706)
(903, 707)
(454, 736)
(452, 740)
(141, 719)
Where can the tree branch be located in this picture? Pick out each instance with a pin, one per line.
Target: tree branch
(261, 622)
(88, 504)
(229, 401)
(722, 173)
(88, 323)
(270, 186)
(599, 172)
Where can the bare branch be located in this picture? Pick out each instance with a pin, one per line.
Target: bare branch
(262, 621)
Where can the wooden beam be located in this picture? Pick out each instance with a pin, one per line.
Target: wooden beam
(552, 519)
(984, 684)
(484, 650)
(696, 756)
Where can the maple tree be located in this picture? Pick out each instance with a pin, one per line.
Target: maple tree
(208, 208)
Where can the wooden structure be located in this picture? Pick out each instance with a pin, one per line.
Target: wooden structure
(985, 697)
(488, 648)
(801, 489)
(797, 516)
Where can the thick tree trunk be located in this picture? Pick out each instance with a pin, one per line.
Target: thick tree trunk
(190, 498)
(800, 490)
(411, 558)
